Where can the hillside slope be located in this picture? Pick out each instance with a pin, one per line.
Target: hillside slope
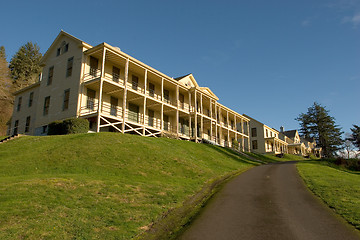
(100, 186)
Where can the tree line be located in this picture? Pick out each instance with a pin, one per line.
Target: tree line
(22, 70)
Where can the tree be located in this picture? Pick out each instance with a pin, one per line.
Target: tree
(25, 65)
(6, 97)
(355, 136)
(318, 124)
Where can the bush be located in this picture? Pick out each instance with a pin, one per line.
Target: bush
(56, 128)
(76, 125)
(68, 126)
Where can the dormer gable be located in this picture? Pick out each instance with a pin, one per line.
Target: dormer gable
(188, 81)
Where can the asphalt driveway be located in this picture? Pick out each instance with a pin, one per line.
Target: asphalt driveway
(268, 202)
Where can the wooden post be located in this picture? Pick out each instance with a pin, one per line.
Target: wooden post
(100, 90)
(162, 104)
(248, 134)
(195, 120)
(125, 93)
(216, 124)
(177, 111)
(211, 121)
(190, 132)
(202, 118)
(144, 112)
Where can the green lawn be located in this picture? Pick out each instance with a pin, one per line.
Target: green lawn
(272, 158)
(100, 186)
(340, 190)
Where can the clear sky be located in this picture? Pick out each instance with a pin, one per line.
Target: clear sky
(268, 59)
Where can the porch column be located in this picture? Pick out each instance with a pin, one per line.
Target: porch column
(211, 121)
(162, 104)
(202, 119)
(125, 93)
(144, 112)
(248, 133)
(190, 132)
(216, 123)
(228, 131)
(242, 137)
(177, 111)
(100, 90)
(195, 121)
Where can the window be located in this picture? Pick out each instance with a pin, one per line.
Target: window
(182, 100)
(90, 103)
(253, 132)
(254, 144)
(64, 47)
(46, 105)
(166, 123)
(16, 125)
(133, 113)
(94, 62)
(31, 98)
(115, 74)
(44, 129)
(151, 118)
(50, 75)
(151, 90)
(135, 82)
(27, 124)
(19, 104)
(166, 96)
(267, 133)
(114, 104)
(69, 66)
(66, 99)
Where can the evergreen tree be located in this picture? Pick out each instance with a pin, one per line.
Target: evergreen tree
(355, 136)
(6, 97)
(318, 124)
(2, 52)
(25, 65)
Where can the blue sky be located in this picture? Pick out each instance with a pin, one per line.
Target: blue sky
(268, 59)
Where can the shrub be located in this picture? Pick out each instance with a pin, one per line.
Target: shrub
(56, 128)
(68, 126)
(76, 125)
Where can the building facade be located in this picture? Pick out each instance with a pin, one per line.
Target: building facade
(118, 93)
(264, 139)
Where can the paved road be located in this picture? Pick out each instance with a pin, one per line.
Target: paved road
(268, 202)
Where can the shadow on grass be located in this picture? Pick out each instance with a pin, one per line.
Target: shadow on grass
(232, 154)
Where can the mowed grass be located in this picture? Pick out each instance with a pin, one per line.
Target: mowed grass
(340, 190)
(272, 158)
(100, 186)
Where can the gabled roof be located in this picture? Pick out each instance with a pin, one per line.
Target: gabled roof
(56, 42)
(188, 77)
(208, 91)
(290, 133)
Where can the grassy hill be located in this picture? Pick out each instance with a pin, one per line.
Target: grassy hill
(338, 188)
(100, 186)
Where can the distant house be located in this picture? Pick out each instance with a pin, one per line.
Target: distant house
(295, 146)
(267, 140)
(119, 93)
(264, 139)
